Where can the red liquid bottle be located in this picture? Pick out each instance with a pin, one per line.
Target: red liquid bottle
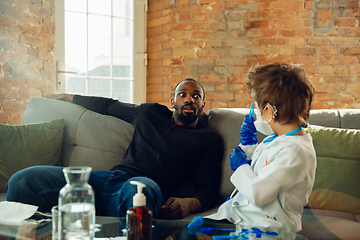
(139, 217)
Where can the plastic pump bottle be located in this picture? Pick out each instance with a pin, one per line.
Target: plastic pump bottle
(139, 217)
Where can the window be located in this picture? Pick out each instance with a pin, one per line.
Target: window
(97, 51)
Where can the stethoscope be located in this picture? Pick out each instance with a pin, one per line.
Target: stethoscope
(270, 139)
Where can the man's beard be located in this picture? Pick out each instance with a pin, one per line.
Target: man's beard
(187, 118)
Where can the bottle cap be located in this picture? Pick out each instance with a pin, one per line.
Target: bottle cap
(139, 198)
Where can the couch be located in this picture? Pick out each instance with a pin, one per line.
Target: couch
(333, 213)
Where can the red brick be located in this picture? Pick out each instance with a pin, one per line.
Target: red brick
(202, 17)
(305, 51)
(354, 69)
(185, 26)
(154, 31)
(153, 88)
(309, 5)
(154, 97)
(154, 15)
(304, 32)
(354, 4)
(320, 105)
(185, 17)
(194, 9)
(318, 41)
(158, 38)
(6, 22)
(158, 71)
(183, 52)
(220, 96)
(316, 79)
(286, 5)
(159, 21)
(346, 22)
(353, 88)
(162, 54)
(194, 44)
(219, 104)
(304, 14)
(200, 34)
(352, 13)
(159, 5)
(257, 32)
(329, 50)
(287, 33)
(339, 106)
(288, 14)
(323, 88)
(184, 2)
(346, 98)
(221, 87)
(4, 117)
(351, 51)
(287, 23)
(325, 70)
(154, 47)
(8, 82)
(296, 41)
(7, 69)
(324, 96)
(323, 14)
(351, 32)
(236, 42)
(15, 117)
(212, 78)
(323, 4)
(270, 41)
(13, 105)
(256, 24)
(155, 63)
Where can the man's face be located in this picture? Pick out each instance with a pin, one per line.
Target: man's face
(188, 102)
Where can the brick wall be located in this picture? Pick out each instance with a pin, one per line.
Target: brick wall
(213, 41)
(216, 41)
(27, 37)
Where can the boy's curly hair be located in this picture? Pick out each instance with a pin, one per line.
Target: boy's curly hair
(284, 86)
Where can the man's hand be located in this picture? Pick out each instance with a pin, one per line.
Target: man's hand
(63, 97)
(178, 208)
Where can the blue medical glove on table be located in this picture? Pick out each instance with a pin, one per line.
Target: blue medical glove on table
(238, 158)
(248, 131)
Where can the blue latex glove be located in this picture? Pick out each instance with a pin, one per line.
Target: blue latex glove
(238, 158)
(248, 131)
(196, 223)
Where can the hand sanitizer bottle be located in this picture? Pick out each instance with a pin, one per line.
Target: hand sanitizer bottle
(139, 217)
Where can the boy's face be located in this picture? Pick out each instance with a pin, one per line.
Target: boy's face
(188, 102)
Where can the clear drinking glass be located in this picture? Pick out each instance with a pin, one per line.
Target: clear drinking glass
(55, 222)
(76, 205)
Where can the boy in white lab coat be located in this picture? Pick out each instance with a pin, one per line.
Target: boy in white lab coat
(273, 180)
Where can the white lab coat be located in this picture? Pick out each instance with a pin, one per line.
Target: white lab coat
(274, 189)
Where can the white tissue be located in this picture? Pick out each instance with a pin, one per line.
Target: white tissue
(13, 213)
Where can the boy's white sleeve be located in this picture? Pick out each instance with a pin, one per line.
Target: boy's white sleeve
(249, 149)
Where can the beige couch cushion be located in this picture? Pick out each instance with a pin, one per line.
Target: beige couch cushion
(90, 139)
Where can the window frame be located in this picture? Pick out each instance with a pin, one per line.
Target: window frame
(139, 54)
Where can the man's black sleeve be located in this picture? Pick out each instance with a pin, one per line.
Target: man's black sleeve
(107, 106)
(209, 173)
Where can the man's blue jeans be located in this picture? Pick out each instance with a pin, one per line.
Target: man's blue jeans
(40, 186)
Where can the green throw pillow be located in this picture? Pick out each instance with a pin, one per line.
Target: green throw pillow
(22, 146)
(337, 179)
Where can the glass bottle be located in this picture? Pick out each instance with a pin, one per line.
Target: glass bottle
(139, 217)
(76, 205)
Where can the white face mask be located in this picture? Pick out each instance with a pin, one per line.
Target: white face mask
(262, 125)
